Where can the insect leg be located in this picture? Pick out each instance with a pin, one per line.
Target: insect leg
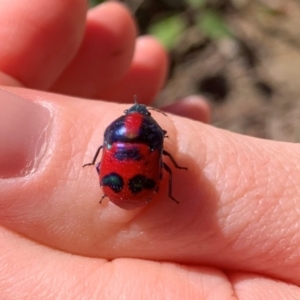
(102, 198)
(173, 160)
(167, 168)
(98, 168)
(95, 157)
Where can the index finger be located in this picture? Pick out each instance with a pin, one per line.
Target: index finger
(39, 38)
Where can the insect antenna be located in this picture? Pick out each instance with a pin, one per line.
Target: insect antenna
(158, 110)
(149, 108)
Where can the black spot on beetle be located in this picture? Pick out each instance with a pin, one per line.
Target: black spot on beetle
(139, 182)
(114, 181)
(128, 154)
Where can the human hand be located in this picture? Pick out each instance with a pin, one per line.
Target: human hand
(234, 234)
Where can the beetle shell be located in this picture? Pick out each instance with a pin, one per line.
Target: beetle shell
(131, 167)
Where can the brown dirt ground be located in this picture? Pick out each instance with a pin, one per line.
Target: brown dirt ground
(252, 81)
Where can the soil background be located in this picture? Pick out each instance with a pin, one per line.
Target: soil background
(252, 80)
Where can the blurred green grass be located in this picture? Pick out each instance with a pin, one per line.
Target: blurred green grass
(168, 20)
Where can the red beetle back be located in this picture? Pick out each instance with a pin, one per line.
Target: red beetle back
(131, 165)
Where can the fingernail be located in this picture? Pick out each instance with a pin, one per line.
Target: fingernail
(24, 126)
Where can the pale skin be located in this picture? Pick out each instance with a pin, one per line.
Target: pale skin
(235, 232)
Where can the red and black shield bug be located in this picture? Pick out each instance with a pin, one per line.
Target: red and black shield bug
(131, 166)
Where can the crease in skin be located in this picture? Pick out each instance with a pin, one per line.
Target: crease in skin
(44, 135)
(233, 295)
(262, 287)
